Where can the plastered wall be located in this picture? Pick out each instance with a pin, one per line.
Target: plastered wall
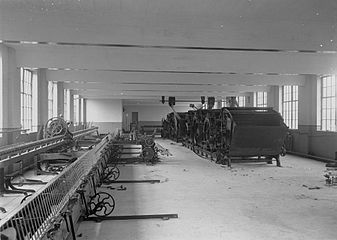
(148, 114)
(307, 139)
(104, 113)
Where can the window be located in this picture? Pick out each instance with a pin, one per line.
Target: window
(290, 106)
(26, 90)
(328, 103)
(82, 111)
(1, 83)
(260, 99)
(241, 101)
(66, 109)
(76, 109)
(52, 99)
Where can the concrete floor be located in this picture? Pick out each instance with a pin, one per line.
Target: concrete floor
(249, 201)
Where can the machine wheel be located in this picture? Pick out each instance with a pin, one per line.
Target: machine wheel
(148, 154)
(149, 142)
(111, 174)
(55, 126)
(102, 204)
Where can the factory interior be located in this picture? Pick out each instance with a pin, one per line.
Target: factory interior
(168, 119)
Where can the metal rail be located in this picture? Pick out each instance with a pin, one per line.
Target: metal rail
(16, 153)
(36, 215)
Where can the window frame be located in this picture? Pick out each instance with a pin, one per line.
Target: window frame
(52, 99)
(258, 96)
(241, 99)
(328, 98)
(290, 106)
(76, 109)
(66, 104)
(26, 98)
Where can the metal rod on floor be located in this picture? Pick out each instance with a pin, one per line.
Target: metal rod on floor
(137, 181)
(132, 217)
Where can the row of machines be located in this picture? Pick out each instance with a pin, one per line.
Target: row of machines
(81, 191)
(230, 133)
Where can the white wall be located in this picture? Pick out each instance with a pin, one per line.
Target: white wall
(152, 112)
(105, 113)
(149, 114)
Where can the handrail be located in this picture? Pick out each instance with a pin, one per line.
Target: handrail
(16, 153)
(34, 217)
(13, 130)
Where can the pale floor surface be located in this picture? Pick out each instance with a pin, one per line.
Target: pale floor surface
(250, 201)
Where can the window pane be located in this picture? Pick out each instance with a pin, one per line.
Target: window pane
(290, 105)
(328, 103)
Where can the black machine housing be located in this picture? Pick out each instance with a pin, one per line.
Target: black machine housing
(238, 133)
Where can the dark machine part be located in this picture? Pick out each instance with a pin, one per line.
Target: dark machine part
(172, 101)
(175, 126)
(55, 126)
(211, 102)
(232, 102)
(202, 98)
(231, 134)
(256, 132)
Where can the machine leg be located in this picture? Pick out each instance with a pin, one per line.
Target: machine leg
(278, 163)
(229, 162)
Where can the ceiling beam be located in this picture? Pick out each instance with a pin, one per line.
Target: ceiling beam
(102, 58)
(91, 76)
(141, 94)
(139, 88)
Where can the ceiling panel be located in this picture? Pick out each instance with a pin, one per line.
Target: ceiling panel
(185, 60)
(280, 24)
(244, 45)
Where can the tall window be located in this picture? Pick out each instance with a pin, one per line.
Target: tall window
(290, 106)
(1, 83)
(82, 111)
(241, 101)
(260, 99)
(26, 83)
(328, 103)
(52, 99)
(76, 109)
(66, 104)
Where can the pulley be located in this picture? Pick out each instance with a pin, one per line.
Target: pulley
(55, 126)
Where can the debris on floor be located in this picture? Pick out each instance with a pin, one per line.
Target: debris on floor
(311, 188)
(331, 176)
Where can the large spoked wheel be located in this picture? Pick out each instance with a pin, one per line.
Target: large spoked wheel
(149, 142)
(54, 127)
(111, 173)
(148, 154)
(102, 204)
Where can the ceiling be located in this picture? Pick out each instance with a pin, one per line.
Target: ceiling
(140, 50)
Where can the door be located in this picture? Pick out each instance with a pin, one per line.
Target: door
(135, 117)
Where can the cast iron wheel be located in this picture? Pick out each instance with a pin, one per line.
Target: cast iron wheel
(54, 127)
(111, 174)
(149, 142)
(148, 154)
(102, 204)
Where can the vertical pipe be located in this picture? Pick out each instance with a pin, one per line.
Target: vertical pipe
(72, 227)
(2, 181)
